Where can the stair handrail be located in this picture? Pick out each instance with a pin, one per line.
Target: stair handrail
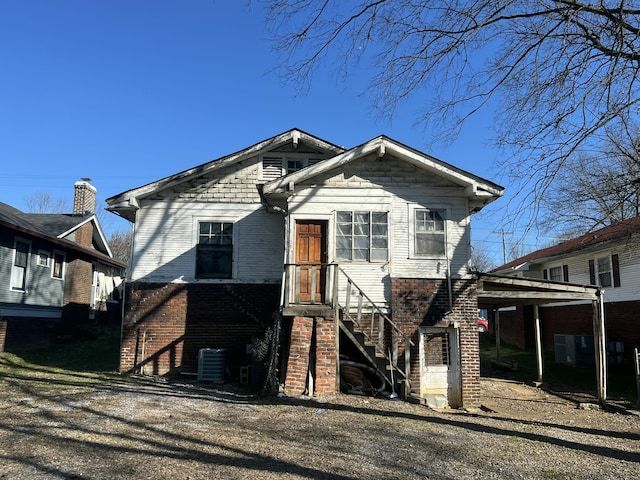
(393, 359)
(376, 307)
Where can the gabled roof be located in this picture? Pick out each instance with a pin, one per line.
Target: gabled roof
(479, 191)
(617, 232)
(56, 228)
(56, 224)
(126, 203)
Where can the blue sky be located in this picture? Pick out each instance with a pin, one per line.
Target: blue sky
(127, 92)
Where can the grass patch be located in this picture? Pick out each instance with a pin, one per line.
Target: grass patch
(557, 377)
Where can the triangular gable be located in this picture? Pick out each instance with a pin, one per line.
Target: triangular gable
(127, 202)
(99, 239)
(479, 191)
(63, 225)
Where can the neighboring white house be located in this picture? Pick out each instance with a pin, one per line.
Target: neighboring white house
(295, 224)
(609, 258)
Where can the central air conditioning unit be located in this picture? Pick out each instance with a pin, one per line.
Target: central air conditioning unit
(574, 350)
(211, 365)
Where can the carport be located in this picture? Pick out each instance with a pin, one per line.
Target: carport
(500, 291)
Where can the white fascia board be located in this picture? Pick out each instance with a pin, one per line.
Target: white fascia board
(132, 196)
(475, 187)
(283, 184)
(101, 237)
(77, 226)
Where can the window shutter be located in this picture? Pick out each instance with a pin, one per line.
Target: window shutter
(592, 272)
(565, 273)
(616, 270)
(545, 274)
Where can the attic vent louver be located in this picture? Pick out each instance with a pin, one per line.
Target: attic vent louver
(271, 168)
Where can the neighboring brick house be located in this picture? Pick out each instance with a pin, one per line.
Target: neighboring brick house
(325, 241)
(609, 258)
(57, 272)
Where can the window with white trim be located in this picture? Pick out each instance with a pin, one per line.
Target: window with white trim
(429, 236)
(57, 267)
(214, 251)
(43, 258)
(362, 236)
(20, 265)
(555, 274)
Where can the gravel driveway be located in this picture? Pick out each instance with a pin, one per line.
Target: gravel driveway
(57, 424)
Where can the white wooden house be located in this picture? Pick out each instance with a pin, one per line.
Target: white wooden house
(351, 248)
(608, 258)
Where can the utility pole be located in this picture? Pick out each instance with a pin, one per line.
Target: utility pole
(504, 248)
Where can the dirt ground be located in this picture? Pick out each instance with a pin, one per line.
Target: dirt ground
(56, 424)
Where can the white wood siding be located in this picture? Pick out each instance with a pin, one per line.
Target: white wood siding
(629, 261)
(374, 278)
(166, 236)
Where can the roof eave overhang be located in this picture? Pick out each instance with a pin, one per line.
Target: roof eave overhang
(478, 191)
(126, 203)
(68, 244)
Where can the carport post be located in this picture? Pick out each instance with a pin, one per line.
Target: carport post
(497, 332)
(536, 314)
(600, 344)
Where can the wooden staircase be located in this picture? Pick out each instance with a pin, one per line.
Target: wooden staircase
(374, 334)
(369, 328)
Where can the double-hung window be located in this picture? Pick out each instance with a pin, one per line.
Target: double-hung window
(556, 274)
(57, 269)
(605, 271)
(214, 252)
(362, 236)
(429, 232)
(43, 258)
(20, 266)
(603, 267)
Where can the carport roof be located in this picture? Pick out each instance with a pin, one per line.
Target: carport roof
(496, 291)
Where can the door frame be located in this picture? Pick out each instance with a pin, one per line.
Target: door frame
(451, 395)
(324, 243)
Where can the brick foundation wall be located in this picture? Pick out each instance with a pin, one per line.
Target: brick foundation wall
(18, 334)
(3, 333)
(312, 347)
(326, 357)
(424, 302)
(621, 322)
(512, 327)
(166, 325)
(299, 355)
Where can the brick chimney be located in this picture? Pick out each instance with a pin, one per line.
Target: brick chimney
(84, 198)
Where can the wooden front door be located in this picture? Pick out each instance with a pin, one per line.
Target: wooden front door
(310, 256)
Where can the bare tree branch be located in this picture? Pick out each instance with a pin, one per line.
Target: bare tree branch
(556, 74)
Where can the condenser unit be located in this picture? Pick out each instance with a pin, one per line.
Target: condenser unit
(211, 365)
(574, 350)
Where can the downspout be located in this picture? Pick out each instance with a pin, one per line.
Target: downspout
(446, 254)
